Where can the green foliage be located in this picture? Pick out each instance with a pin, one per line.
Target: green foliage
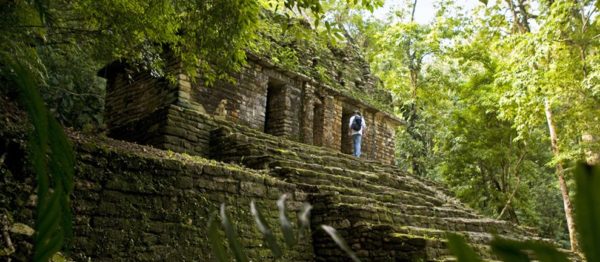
(471, 89)
(340, 242)
(72, 91)
(587, 215)
(291, 236)
(459, 248)
(511, 250)
(587, 199)
(507, 250)
(264, 228)
(286, 225)
(210, 38)
(215, 240)
(232, 237)
(50, 154)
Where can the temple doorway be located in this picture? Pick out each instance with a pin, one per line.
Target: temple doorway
(318, 123)
(275, 109)
(346, 146)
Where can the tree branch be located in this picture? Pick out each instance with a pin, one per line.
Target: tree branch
(512, 195)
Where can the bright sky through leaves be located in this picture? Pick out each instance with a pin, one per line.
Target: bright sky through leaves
(425, 11)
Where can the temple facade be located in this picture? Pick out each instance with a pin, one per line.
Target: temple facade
(263, 96)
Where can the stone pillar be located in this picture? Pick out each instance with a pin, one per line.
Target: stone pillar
(184, 94)
(379, 129)
(294, 110)
(307, 116)
(332, 118)
(368, 148)
(318, 121)
(389, 140)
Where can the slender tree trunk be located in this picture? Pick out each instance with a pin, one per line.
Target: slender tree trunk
(524, 15)
(412, 15)
(561, 180)
(518, 22)
(411, 114)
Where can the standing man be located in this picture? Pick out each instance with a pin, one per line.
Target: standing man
(357, 126)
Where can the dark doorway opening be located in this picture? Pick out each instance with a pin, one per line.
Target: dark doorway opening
(346, 146)
(275, 109)
(318, 123)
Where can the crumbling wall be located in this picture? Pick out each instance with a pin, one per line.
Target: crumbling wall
(247, 101)
(246, 96)
(260, 96)
(132, 95)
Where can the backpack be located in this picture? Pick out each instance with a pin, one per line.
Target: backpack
(356, 123)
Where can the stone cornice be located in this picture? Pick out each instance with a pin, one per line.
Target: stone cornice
(264, 62)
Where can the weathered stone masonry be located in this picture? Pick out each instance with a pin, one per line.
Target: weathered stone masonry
(137, 203)
(134, 203)
(263, 97)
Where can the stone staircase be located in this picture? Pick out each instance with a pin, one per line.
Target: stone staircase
(383, 213)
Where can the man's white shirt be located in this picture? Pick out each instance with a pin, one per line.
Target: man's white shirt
(364, 125)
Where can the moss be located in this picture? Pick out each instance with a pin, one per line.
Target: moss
(291, 45)
(409, 236)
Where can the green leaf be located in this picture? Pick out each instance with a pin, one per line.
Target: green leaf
(286, 225)
(511, 250)
(587, 203)
(485, 2)
(51, 214)
(232, 237)
(51, 247)
(546, 253)
(50, 153)
(215, 240)
(339, 240)
(264, 228)
(459, 248)
(304, 220)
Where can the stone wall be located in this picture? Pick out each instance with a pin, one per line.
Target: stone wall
(134, 203)
(261, 96)
(368, 145)
(138, 203)
(246, 98)
(368, 238)
(132, 95)
(388, 145)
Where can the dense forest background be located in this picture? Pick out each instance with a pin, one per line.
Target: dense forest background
(498, 101)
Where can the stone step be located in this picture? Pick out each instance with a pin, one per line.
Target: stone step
(477, 240)
(351, 187)
(357, 215)
(368, 181)
(369, 193)
(409, 208)
(320, 155)
(398, 197)
(288, 148)
(399, 181)
(471, 237)
(336, 160)
(354, 196)
(382, 243)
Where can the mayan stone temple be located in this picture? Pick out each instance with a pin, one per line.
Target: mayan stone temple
(177, 150)
(288, 130)
(263, 97)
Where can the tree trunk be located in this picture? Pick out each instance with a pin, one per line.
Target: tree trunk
(561, 180)
(412, 15)
(519, 27)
